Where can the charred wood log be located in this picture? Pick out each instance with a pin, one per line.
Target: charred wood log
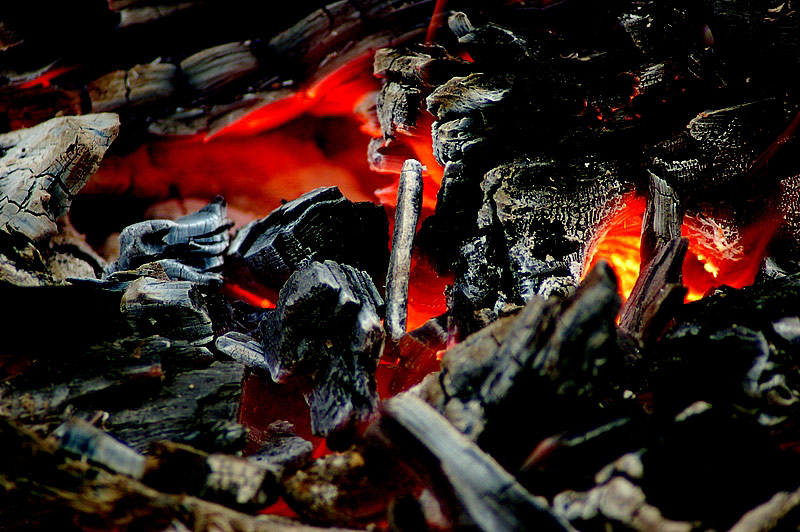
(663, 218)
(43, 167)
(409, 204)
(140, 85)
(341, 304)
(490, 498)
(190, 248)
(657, 294)
(282, 449)
(264, 253)
(80, 437)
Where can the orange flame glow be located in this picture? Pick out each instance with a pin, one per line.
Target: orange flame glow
(719, 253)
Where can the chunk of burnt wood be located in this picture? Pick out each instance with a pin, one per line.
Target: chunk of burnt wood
(173, 309)
(282, 449)
(426, 64)
(230, 480)
(341, 304)
(780, 510)
(663, 218)
(190, 248)
(551, 351)
(244, 348)
(416, 354)
(348, 487)
(140, 85)
(409, 204)
(265, 252)
(547, 228)
(489, 497)
(43, 167)
(215, 67)
(657, 294)
(79, 437)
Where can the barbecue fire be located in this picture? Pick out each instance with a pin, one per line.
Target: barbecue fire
(305, 273)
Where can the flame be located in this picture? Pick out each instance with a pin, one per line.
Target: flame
(719, 253)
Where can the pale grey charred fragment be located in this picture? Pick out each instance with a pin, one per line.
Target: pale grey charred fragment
(342, 306)
(489, 497)
(173, 309)
(409, 204)
(213, 68)
(663, 218)
(243, 348)
(265, 252)
(43, 167)
(190, 248)
(398, 108)
(79, 437)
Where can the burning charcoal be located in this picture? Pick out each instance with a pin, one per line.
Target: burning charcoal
(553, 348)
(546, 229)
(416, 354)
(168, 308)
(663, 218)
(658, 292)
(189, 248)
(409, 203)
(341, 488)
(341, 305)
(265, 252)
(43, 167)
(79, 437)
(282, 449)
(490, 497)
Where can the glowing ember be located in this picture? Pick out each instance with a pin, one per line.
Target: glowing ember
(719, 254)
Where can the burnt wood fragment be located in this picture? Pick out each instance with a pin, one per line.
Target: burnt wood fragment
(341, 305)
(663, 218)
(265, 252)
(190, 248)
(43, 167)
(84, 439)
(173, 309)
(780, 510)
(282, 449)
(490, 497)
(657, 293)
(416, 354)
(140, 85)
(215, 67)
(409, 204)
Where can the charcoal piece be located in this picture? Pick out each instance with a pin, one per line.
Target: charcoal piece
(552, 351)
(491, 43)
(427, 65)
(218, 66)
(84, 439)
(617, 501)
(409, 204)
(341, 305)
(657, 294)
(357, 485)
(780, 510)
(490, 497)
(282, 449)
(547, 228)
(416, 354)
(265, 252)
(719, 147)
(243, 348)
(43, 167)
(190, 248)
(140, 85)
(398, 108)
(173, 309)
(663, 218)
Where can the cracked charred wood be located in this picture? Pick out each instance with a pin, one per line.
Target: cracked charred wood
(546, 228)
(662, 221)
(265, 252)
(409, 204)
(233, 481)
(490, 498)
(36, 474)
(43, 167)
(140, 85)
(190, 248)
(173, 309)
(215, 67)
(282, 449)
(357, 483)
(244, 348)
(657, 294)
(342, 305)
(552, 351)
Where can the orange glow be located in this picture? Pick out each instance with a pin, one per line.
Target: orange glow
(719, 254)
(45, 79)
(248, 297)
(425, 293)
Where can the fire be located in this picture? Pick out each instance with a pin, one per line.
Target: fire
(719, 253)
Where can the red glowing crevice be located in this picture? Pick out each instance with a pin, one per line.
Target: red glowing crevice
(719, 252)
